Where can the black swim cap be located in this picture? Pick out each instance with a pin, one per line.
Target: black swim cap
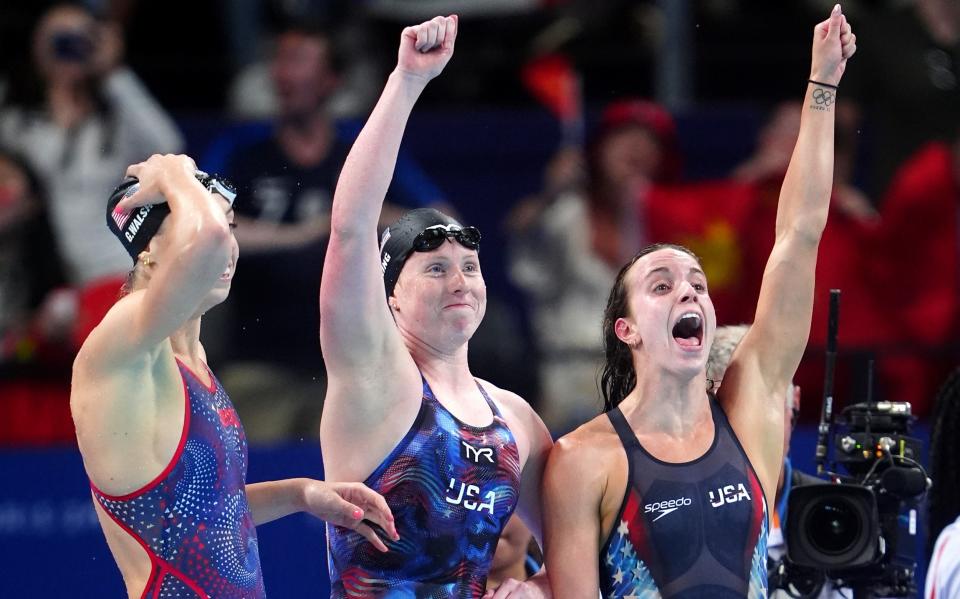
(396, 243)
(135, 229)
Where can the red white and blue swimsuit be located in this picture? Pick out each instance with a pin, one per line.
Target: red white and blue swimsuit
(193, 520)
(696, 530)
(451, 487)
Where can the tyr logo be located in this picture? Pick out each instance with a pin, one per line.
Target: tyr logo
(475, 454)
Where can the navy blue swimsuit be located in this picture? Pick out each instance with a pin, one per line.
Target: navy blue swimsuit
(692, 530)
(451, 487)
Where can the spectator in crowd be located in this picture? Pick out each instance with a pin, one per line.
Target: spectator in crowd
(79, 118)
(30, 264)
(568, 240)
(35, 314)
(766, 167)
(286, 182)
(943, 575)
(252, 95)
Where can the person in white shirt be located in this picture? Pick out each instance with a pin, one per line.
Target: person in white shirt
(943, 576)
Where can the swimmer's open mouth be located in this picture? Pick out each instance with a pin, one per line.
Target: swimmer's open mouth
(688, 330)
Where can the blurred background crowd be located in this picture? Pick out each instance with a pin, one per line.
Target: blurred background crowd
(571, 132)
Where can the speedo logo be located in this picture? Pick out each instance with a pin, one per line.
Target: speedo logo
(666, 507)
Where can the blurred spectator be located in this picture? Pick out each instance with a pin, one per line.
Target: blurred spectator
(30, 266)
(767, 165)
(909, 92)
(286, 182)
(943, 576)
(567, 242)
(34, 368)
(79, 119)
(252, 93)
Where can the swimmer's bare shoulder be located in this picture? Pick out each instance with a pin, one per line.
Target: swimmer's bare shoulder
(119, 398)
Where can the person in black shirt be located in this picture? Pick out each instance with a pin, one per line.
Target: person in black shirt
(286, 183)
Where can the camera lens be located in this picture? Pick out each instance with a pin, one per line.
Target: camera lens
(835, 526)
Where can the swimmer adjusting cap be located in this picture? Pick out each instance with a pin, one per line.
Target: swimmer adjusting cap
(135, 229)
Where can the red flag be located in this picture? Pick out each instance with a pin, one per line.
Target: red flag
(554, 82)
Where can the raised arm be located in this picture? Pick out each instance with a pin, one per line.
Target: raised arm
(768, 356)
(356, 328)
(785, 305)
(197, 249)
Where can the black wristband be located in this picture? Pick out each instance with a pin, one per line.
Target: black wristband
(821, 84)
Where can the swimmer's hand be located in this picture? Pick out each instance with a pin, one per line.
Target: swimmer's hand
(425, 49)
(154, 176)
(350, 505)
(833, 44)
(535, 587)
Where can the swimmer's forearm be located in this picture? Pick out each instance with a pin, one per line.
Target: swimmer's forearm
(197, 221)
(805, 196)
(275, 499)
(369, 167)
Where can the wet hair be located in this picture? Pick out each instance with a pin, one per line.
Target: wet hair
(131, 282)
(618, 378)
(944, 498)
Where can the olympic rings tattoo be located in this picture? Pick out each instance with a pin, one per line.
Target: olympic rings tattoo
(823, 97)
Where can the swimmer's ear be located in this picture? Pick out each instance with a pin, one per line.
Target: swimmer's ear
(146, 259)
(626, 332)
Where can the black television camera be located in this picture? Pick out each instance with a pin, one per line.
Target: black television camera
(857, 530)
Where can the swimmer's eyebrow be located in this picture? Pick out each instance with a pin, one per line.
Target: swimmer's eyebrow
(664, 270)
(657, 271)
